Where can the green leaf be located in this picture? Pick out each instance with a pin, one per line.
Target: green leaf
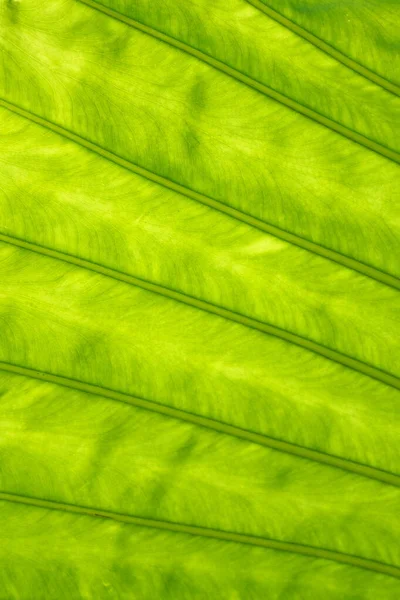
(199, 375)
(362, 35)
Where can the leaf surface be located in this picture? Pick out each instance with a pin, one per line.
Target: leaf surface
(363, 31)
(199, 375)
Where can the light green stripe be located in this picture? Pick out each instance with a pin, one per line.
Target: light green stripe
(287, 336)
(260, 87)
(316, 41)
(291, 238)
(194, 419)
(225, 536)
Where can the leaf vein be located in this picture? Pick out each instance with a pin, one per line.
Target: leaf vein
(291, 238)
(325, 47)
(218, 534)
(209, 423)
(250, 82)
(225, 313)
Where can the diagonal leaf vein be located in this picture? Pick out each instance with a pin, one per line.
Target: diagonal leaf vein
(291, 238)
(208, 423)
(217, 534)
(266, 328)
(250, 82)
(325, 47)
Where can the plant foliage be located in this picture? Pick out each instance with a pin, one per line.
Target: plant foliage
(199, 374)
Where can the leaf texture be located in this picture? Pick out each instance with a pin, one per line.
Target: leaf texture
(199, 305)
(364, 32)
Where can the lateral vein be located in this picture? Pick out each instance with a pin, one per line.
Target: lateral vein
(291, 238)
(266, 328)
(208, 423)
(218, 534)
(325, 47)
(250, 82)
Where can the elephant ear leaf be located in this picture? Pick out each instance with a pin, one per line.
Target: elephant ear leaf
(199, 301)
